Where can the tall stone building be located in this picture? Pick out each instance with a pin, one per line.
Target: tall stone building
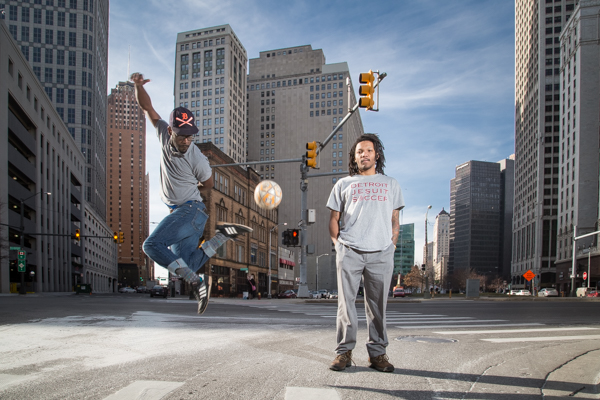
(66, 43)
(210, 80)
(128, 208)
(441, 245)
(39, 156)
(294, 97)
(538, 133)
(477, 218)
(578, 204)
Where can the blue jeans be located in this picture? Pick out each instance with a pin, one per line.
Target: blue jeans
(181, 230)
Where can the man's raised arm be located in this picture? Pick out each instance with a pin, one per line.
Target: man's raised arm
(143, 98)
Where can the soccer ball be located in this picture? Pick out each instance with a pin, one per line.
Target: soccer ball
(267, 195)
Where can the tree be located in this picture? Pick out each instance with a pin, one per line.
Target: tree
(414, 278)
(459, 278)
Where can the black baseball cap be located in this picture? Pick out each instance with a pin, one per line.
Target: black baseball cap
(182, 122)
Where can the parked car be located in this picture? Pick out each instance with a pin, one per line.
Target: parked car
(512, 292)
(323, 293)
(126, 290)
(141, 289)
(398, 292)
(523, 292)
(593, 293)
(314, 294)
(288, 294)
(332, 295)
(159, 290)
(548, 292)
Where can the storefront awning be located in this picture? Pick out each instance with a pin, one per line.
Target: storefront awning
(286, 262)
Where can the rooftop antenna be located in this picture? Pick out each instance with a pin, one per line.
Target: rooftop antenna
(128, 61)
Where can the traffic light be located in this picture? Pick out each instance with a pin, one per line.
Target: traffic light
(77, 235)
(141, 278)
(115, 237)
(295, 237)
(311, 154)
(286, 235)
(366, 90)
(120, 236)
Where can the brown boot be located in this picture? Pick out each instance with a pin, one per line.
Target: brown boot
(342, 361)
(381, 363)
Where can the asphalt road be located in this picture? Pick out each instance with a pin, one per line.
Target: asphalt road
(131, 346)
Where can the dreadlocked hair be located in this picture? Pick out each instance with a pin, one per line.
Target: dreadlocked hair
(380, 157)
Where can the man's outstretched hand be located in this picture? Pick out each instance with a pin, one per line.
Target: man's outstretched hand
(138, 79)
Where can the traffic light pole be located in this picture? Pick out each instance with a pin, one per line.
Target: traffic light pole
(303, 286)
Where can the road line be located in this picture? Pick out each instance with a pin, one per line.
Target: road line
(542, 339)
(304, 393)
(462, 326)
(147, 390)
(514, 331)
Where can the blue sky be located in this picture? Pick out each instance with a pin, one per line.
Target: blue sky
(448, 97)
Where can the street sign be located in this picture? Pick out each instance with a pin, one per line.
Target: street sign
(584, 276)
(15, 248)
(21, 265)
(529, 275)
(244, 269)
(21, 255)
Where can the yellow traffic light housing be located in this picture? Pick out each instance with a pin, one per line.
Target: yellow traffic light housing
(121, 237)
(77, 235)
(116, 237)
(311, 154)
(366, 90)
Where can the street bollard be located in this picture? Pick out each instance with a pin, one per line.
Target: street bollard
(450, 293)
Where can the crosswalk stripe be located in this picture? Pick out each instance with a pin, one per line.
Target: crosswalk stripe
(541, 339)
(465, 326)
(515, 331)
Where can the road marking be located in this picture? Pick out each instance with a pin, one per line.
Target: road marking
(455, 322)
(303, 393)
(464, 326)
(147, 390)
(541, 339)
(513, 331)
(8, 380)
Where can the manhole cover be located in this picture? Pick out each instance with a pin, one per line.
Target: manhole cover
(422, 339)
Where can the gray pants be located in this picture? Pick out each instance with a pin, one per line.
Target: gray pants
(377, 269)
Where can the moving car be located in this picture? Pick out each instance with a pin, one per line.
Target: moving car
(332, 295)
(522, 292)
(323, 293)
(593, 293)
(159, 290)
(288, 294)
(548, 292)
(398, 292)
(141, 289)
(126, 290)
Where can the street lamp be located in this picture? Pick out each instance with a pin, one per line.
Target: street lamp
(270, 233)
(22, 235)
(426, 295)
(317, 280)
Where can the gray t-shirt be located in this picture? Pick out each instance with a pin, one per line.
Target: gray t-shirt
(366, 203)
(180, 173)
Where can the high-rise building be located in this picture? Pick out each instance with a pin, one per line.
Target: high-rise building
(294, 97)
(476, 219)
(128, 208)
(404, 255)
(38, 157)
(441, 245)
(210, 80)
(580, 101)
(66, 43)
(538, 26)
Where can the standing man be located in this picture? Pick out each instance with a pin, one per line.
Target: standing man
(174, 244)
(364, 226)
